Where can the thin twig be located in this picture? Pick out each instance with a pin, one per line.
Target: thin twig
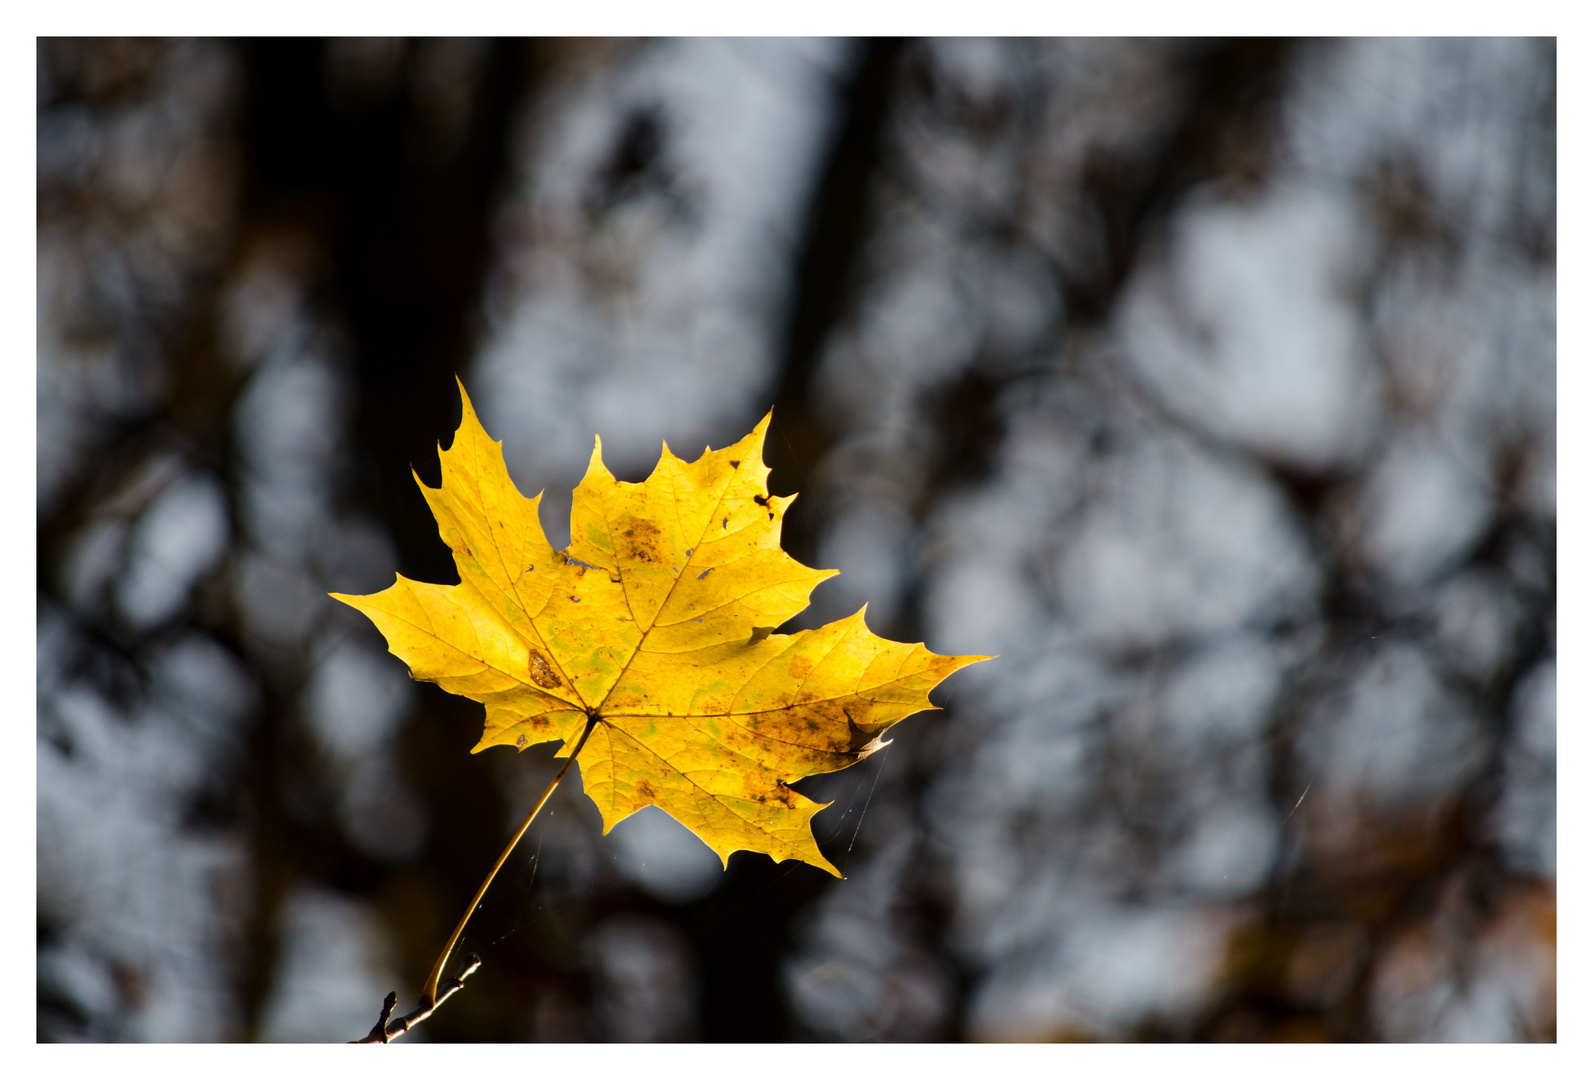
(379, 1032)
(387, 1030)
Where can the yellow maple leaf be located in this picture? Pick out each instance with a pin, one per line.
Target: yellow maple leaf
(647, 645)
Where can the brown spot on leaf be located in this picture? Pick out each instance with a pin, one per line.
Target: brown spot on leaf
(641, 542)
(542, 672)
(799, 668)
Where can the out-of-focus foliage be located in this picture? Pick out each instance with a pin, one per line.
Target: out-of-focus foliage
(1211, 384)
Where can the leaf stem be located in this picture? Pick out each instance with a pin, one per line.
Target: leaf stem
(428, 993)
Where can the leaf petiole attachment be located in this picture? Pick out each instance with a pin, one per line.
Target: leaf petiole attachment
(428, 993)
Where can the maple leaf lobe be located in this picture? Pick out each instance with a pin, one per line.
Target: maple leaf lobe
(699, 708)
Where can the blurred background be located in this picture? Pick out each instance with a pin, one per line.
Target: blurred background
(1209, 383)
